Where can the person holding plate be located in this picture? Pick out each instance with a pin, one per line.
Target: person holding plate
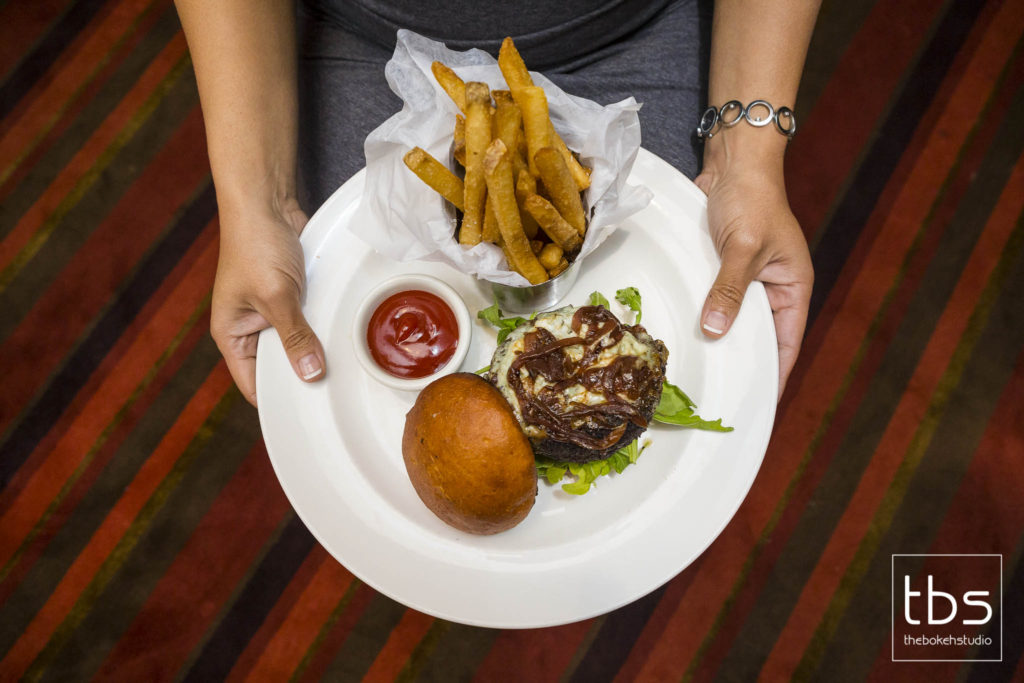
(289, 94)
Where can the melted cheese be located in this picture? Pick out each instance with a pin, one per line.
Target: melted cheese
(559, 324)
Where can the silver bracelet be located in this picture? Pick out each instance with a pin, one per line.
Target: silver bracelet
(732, 111)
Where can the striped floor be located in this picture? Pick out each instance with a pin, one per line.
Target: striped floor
(144, 537)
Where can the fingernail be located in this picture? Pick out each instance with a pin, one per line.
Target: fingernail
(310, 366)
(715, 322)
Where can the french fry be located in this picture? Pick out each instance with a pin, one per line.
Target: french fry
(526, 185)
(436, 175)
(561, 187)
(552, 223)
(513, 68)
(527, 182)
(508, 255)
(550, 256)
(459, 140)
(536, 246)
(478, 137)
(508, 127)
(502, 96)
(536, 124)
(451, 83)
(498, 173)
(508, 121)
(490, 232)
(580, 173)
(559, 269)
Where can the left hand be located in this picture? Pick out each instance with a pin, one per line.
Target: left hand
(260, 278)
(757, 237)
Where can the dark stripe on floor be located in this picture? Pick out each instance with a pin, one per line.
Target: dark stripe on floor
(62, 550)
(38, 419)
(46, 52)
(837, 23)
(366, 640)
(455, 656)
(843, 230)
(615, 639)
(76, 227)
(1009, 621)
(253, 603)
(79, 647)
(53, 160)
(344, 621)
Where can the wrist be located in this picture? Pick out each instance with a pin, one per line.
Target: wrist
(745, 148)
(254, 174)
(269, 195)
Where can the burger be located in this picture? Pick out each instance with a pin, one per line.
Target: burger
(581, 384)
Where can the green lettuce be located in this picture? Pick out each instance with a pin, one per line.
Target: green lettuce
(585, 474)
(630, 297)
(597, 299)
(676, 408)
(492, 314)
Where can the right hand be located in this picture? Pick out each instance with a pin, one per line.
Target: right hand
(260, 278)
(757, 237)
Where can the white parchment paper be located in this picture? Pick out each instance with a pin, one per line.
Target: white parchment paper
(402, 218)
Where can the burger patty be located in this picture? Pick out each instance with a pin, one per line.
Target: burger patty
(581, 384)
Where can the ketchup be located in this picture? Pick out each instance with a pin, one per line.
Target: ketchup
(412, 334)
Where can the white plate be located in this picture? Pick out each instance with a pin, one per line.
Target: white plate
(336, 444)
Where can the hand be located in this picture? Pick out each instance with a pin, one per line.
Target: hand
(260, 277)
(757, 237)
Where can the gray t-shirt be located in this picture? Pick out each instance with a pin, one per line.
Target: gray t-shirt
(545, 32)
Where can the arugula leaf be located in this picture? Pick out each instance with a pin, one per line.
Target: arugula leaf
(673, 400)
(492, 314)
(630, 296)
(597, 299)
(482, 371)
(550, 470)
(677, 408)
(586, 473)
(580, 486)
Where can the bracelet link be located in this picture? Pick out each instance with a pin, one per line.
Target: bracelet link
(733, 111)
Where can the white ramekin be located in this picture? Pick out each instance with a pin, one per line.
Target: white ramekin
(404, 283)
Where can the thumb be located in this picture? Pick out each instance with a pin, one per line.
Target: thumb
(726, 295)
(300, 342)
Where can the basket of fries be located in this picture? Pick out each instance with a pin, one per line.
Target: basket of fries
(530, 179)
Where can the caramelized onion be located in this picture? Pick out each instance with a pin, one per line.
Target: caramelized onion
(545, 356)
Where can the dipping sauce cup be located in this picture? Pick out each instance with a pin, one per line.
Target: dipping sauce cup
(410, 330)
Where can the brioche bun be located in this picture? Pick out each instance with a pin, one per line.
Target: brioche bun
(467, 457)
